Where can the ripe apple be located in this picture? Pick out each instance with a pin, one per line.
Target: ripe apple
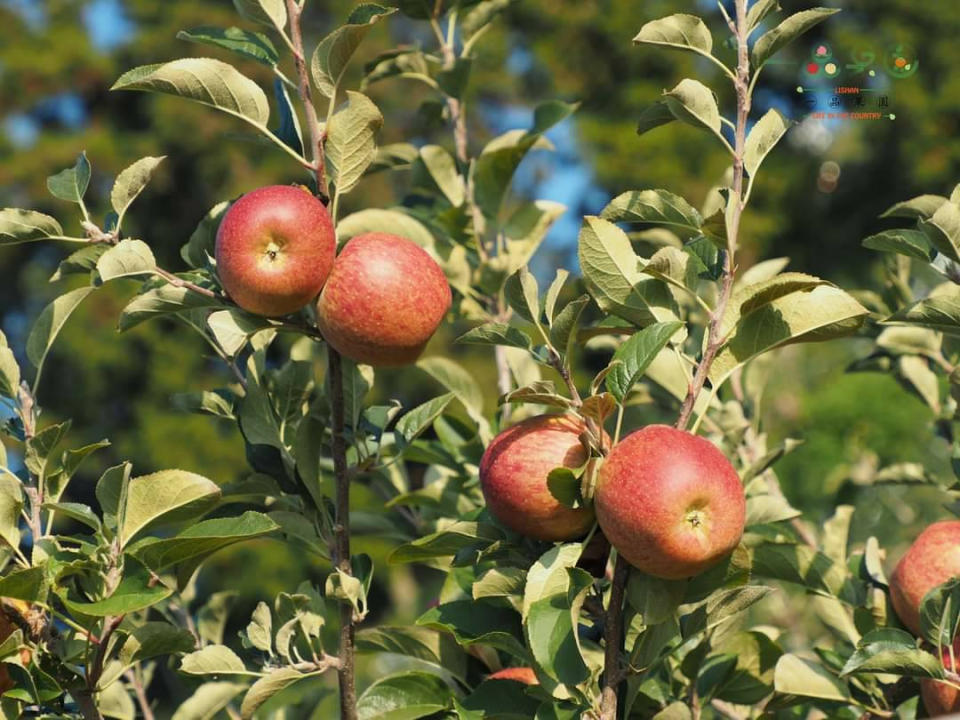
(933, 559)
(275, 247)
(669, 502)
(523, 675)
(513, 476)
(938, 697)
(383, 301)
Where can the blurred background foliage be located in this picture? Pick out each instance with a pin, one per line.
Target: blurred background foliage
(58, 59)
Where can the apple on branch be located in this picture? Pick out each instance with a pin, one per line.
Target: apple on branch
(670, 502)
(932, 560)
(383, 301)
(513, 477)
(274, 249)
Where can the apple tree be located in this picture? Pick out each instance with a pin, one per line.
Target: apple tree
(591, 569)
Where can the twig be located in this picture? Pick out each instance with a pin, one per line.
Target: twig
(612, 638)
(133, 677)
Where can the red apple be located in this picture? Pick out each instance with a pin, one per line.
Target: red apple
(933, 559)
(523, 675)
(670, 502)
(513, 476)
(275, 247)
(383, 301)
(940, 698)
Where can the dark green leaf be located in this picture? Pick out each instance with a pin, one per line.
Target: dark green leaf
(635, 356)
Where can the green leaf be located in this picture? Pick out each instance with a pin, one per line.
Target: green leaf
(266, 687)
(473, 622)
(71, 184)
(943, 230)
(9, 370)
(655, 600)
(75, 511)
(553, 292)
(213, 660)
(406, 696)
(351, 146)
(20, 226)
(911, 243)
(332, 55)
(523, 295)
(424, 644)
(937, 312)
(611, 270)
(758, 11)
(940, 614)
(208, 700)
(654, 116)
(201, 540)
(442, 169)
(795, 676)
(680, 31)
(806, 315)
(164, 300)
(80, 261)
(500, 699)
(259, 630)
(251, 45)
(772, 41)
(889, 650)
(48, 325)
(694, 103)
(200, 248)
(635, 356)
(495, 334)
(482, 14)
(136, 591)
(29, 585)
(447, 542)
(655, 206)
(153, 639)
(414, 422)
(110, 491)
(265, 12)
(458, 381)
(203, 80)
(921, 208)
(764, 135)
(563, 331)
(130, 183)
(165, 496)
(126, 259)
(11, 503)
(233, 327)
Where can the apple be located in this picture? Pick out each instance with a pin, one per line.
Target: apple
(940, 698)
(275, 247)
(933, 559)
(513, 477)
(383, 301)
(669, 502)
(523, 675)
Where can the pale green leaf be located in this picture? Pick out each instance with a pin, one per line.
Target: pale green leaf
(213, 660)
(130, 183)
(351, 144)
(772, 41)
(251, 45)
(680, 31)
(165, 496)
(763, 136)
(71, 184)
(655, 206)
(332, 55)
(126, 259)
(20, 226)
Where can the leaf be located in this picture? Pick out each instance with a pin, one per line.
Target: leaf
(553, 292)
(482, 14)
(758, 11)
(203, 80)
(266, 12)
(911, 243)
(20, 226)
(446, 542)
(153, 639)
(473, 622)
(125, 259)
(889, 650)
(943, 230)
(251, 45)
(655, 206)
(523, 295)
(332, 55)
(208, 700)
(764, 135)
(424, 644)
(772, 41)
(11, 503)
(232, 327)
(795, 676)
(405, 696)
(654, 116)
(458, 381)
(655, 600)
(268, 686)
(75, 511)
(413, 423)
(551, 630)
(71, 184)
(136, 591)
(48, 325)
(680, 31)
(635, 356)
(922, 207)
(350, 143)
(815, 314)
(260, 628)
(165, 496)
(201, 540)
(610, 268)
(164, 300)
(442, 169)
(130, 183)
(29, 585)
(213, 660)
(694, 103)
(495, 334)
(564, 484)
(563, 331)
(940, 614)
(9, 370)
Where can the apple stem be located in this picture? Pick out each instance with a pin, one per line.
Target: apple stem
(613, 630)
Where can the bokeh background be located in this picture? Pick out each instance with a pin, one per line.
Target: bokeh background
(820, 193)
